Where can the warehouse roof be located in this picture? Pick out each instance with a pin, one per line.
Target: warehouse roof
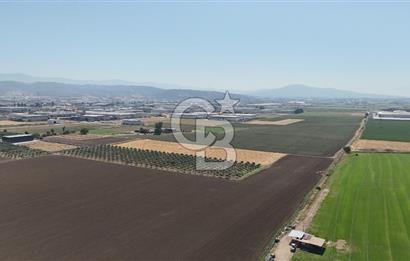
(296, 234)
(17, 136)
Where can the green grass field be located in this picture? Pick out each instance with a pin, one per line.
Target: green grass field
(369, 207)
(321, 134)
(387, 130)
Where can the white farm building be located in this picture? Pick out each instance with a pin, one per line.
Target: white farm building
(392, 115)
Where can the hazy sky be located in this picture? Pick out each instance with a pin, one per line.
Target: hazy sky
(353, 46)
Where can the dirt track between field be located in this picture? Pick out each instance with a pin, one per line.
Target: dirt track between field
(61, 208)
(261, 157)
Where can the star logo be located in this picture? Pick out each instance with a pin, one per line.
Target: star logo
(227, 104)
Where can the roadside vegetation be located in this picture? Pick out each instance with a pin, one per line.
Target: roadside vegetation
(161, 160)
(366, 214)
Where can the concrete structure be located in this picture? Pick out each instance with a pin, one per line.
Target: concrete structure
(392, 115)
(17, 138)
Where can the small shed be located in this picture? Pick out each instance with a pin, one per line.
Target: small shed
(308, 242)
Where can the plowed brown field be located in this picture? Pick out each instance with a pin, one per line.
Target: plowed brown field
(61, 208)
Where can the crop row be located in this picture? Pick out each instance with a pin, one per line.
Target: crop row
(11, 151)
(188, 164)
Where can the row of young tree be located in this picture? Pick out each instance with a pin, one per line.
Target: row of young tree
(10, 151)
(161, 160)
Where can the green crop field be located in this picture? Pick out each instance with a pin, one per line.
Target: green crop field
(369, 207)
(320, 134)
(387, 130)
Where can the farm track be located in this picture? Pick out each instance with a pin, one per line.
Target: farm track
(67, 208)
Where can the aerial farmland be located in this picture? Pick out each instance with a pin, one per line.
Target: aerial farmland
(121, 196)
(204, 130)
(366, 214)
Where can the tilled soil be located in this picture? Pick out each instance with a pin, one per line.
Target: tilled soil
(61, 208)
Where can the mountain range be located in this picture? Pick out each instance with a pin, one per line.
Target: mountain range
(17, 83)
(305, 91)
(64, 90)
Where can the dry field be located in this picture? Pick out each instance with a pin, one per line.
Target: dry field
(381, 146)
(48, 146)
(78, 137)
(260, 157)
(61, 208)
(153, 120)
(279, 123)
(209, 123)
(18, 123)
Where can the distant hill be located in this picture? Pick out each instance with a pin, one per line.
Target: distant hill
(304, 91)
(21, 77)
(56, 89)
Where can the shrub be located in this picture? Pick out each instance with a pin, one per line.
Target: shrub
(84, 131)
(347, 149)
(158, 128)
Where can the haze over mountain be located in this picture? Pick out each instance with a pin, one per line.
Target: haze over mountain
(56, 86)
(26, 78)
(56, 89)
(305, 91)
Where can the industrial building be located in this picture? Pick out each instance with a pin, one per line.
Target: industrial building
(114, 115)
(234, 117)
(392, 115)
(27, 117)
(13, 109)
(132, 122)
(17, 138)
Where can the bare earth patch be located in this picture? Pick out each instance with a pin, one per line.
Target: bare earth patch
(381, 146)
(340, 245)
(259, 157)
(48, 146)
(279, 123)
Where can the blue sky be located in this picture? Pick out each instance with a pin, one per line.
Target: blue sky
(353, 46)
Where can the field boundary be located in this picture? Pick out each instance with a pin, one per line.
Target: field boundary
(165, 161)
(310, 199)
